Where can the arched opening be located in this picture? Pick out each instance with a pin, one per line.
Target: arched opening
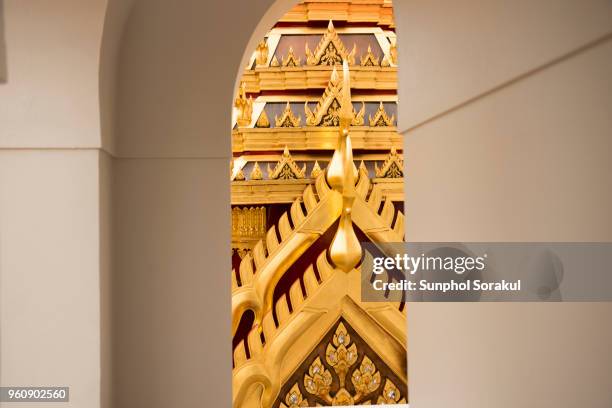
(314, 131)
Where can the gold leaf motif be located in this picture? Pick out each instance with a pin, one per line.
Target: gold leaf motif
(330, 50)
(263, 121)
(318, 380)
(244, 106)
(369, 59)
(343, 397)
(256, 173)
(393, 167)
(381, 118)
(366, 378)
(286, 168)
(391, 395)
(274, 62)
(287, 119)
(291, 60)
(261, 53)
(294, 398)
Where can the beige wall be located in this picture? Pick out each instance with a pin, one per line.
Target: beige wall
(50, 98)
(509, 139)
(50, 223)
(49, 272)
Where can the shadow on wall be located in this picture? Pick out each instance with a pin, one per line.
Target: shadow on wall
(3, 72)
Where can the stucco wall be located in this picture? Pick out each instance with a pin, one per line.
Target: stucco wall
(49, 272)
(509, 139)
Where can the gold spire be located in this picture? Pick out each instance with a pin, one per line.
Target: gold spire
(345, 250)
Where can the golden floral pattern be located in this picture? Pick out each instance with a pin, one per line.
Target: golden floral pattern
(340, 379)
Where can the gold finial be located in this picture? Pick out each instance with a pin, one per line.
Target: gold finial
(345, 250)
(244, 106)
(261, 53)
(362, 167)
(316, 170)
(256, 173)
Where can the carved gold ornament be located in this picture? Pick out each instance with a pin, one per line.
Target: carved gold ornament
(256, 173)
(291, 60)
(263, 121)
(385, 62)
(330, 50)
(244, 106)
(287, 119)
(327, 111)
(261, 53)
(393, 167)
(316, 170)
(274, 62)
(369, 59)
(248, 222)
(381, 118)
(286, 168)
